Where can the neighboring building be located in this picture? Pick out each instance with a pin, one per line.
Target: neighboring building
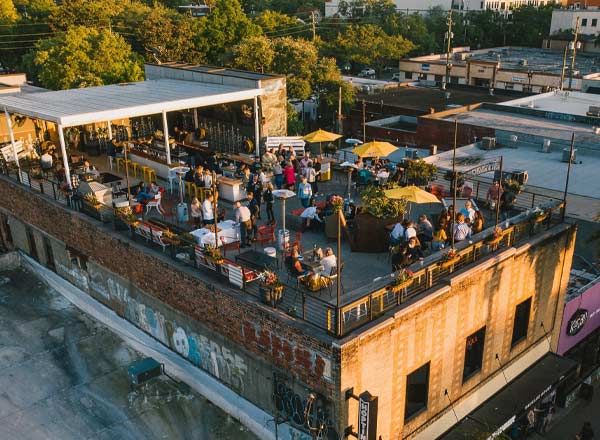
(510, 68)
(196, 11)
(577, 4)
(566, 20)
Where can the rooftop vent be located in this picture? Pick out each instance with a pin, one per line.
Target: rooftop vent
(523, 62)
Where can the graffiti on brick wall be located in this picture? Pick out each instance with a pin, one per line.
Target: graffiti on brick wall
(288, 351)
(76, 275)
(291, 406)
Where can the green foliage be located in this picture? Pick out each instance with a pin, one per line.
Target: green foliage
(369, 45)
(420, 172)
(8, 12)
(255, 54)
(295, 58)
(36, 10)
(272, 21)
(226, 26)
(86, 13)
(172, 33)
(378, 205)
(83, 57)
(294, 125)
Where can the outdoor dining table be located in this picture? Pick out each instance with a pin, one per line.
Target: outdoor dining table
(257, 260)
(307, 261)
(229, 233)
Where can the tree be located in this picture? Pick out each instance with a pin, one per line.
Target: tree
(271, 21)
(8, 12)
(165, 31)
(255, 54)
(225, 27)
(36, 10)
(83, 57)
(295, 58)
(530, 25)
(86, 13)
(369, 45)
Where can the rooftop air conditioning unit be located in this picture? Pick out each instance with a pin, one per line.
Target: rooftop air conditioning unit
(596, 130)
(513, 141)
(523, 62)
(594, 110)
(546, 146)
(488, 143)
(567, 152)
(411, 153)
(520, 176)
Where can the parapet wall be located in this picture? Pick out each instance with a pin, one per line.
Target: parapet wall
(226, 334)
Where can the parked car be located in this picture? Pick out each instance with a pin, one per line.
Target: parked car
(367, 72)
(396, 77)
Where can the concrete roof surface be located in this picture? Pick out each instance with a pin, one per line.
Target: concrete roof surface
(64, 376)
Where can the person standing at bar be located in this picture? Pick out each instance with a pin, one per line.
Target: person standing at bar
(244, 219)
(208, 215)
(268, 198)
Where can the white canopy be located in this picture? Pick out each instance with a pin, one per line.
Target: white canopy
(74, 107)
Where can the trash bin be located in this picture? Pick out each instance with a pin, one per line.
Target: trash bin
(271, 252)
(283, 238)
(182, 212)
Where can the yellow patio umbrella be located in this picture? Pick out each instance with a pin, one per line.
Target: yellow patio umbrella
(374, 149)
(321, 136)
(412, 194)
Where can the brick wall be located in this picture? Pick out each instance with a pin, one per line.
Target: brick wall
(440, 132)
(276, 339)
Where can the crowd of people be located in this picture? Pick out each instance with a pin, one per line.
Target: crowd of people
(408, 240)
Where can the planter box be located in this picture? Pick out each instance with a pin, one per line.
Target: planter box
(271, 295)
(370, 234)
(449, 263)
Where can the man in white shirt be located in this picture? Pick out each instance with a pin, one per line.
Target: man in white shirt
(310, 213)
(328, 262)
(410, 231)
(397, 234)
(244, 219)
(383, 175)
(208, 215)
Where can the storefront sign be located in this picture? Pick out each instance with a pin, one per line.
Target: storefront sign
(577, 322)
(367, 417)
(425, 67)
(518, 79)
(581, 317)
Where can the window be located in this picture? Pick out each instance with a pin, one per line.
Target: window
(408, 75)
(438, 78)
(584, 22)
(473, 353)
(594, 22)
(521, 322)
(417, 390)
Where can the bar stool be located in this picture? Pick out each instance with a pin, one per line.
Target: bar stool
(188, 188)
(150, 174)
(197, 191)
(120, 163)
(134, 168)
(143, 172)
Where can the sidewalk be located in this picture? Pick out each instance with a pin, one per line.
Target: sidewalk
(568, 422)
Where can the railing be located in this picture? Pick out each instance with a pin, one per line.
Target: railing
(361, 305)
(372, 301)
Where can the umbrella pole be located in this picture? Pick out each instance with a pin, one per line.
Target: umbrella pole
(283, 215)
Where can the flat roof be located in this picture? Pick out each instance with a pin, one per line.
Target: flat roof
(572, 103)
(104, 103)
(423, 98)
(215, 70)
(545, 170)
(520, 59)
(527, 124)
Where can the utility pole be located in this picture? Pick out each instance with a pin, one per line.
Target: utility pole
(564, 67)
(574, 53)
(340, 116)
(449, 36)
(364, 111)
(314, 29)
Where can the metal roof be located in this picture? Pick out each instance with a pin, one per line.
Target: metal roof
(106, 103)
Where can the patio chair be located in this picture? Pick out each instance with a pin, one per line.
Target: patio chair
(329, 280)
(291, 275)
(264, 235)
(155, 203)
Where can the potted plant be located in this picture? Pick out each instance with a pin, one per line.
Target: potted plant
(419, 172)
(170, 237)
(449, 259)
(539, 215)
(331, 227)
(496, 237)
(90, 199)
(403, 280)
(271, 288)
(512, 186)
(213, 256)
(377, 212)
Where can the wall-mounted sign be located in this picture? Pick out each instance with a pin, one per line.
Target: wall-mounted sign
(367, 417)
(425, 67)
(577, 322)
(518, 79)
